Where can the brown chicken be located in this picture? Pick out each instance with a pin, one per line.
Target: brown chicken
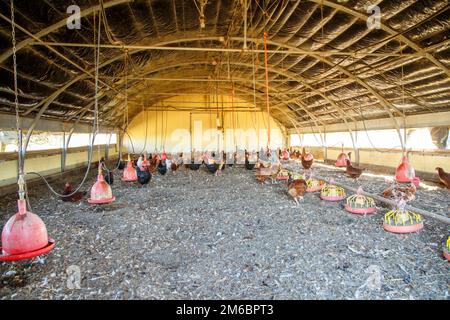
(444, 177)
(271, 172)
(397, 193)
(296, 188)
(353, 172)
(77, 196)
(174, 166)
(154, 161)
(307, 159)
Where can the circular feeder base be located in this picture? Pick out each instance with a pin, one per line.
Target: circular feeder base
(101, 201)
(128, 180)
(332, 198)
(360, 210)
(28, 255)
(403, 229)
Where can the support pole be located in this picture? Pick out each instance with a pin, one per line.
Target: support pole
(120, 142)
(63, 152)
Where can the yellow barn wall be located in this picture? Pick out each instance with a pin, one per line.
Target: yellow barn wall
(170, 130)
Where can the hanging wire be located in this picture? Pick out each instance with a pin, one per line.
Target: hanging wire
(267, 88)
(254, 116)
(403, 106)
(94, 126)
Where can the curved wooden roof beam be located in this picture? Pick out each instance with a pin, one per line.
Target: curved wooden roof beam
(388, 29)
(57, 25)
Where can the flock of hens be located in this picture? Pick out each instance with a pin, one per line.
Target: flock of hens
(267, 166)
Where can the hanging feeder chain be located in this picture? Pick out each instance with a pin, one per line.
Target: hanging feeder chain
(21, 179)
(388, 201)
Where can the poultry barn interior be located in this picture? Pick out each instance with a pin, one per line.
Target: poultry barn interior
(219, 149)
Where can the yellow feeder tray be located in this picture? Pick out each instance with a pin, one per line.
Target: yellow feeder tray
(332, 192)
(447, 249)
(314, 185)
(283, 175)
(360, 204)
(402, 221)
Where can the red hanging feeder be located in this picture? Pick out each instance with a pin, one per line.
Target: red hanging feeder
(101, 191)
(405, 173)
(24, 236)
(285, 155)
(164, 155)
(129, 174)
(342, 159)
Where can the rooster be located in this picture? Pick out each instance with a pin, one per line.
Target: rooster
(307, 159)
(77, 196)
(353, 172)
(296, 188)
(162, 167)
(444, 177)
(109, 177)
(397, 193)
(144, 176)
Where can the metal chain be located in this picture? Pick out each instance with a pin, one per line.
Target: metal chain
(21, 179)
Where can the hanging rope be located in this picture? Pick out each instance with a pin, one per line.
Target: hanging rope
(156, 128)
(403, 102)
(164, 132)
(254, 116)
(370, 141)
(267, 89)
(94, 126)
(233, 115)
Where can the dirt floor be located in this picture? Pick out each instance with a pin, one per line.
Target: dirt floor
(190, 235)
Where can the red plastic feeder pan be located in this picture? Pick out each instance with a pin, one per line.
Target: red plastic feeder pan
(129, 174)
(359, 210)
(101, 192)
(360, 204)
(402, 221)
(24, 236)
(332, 192)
